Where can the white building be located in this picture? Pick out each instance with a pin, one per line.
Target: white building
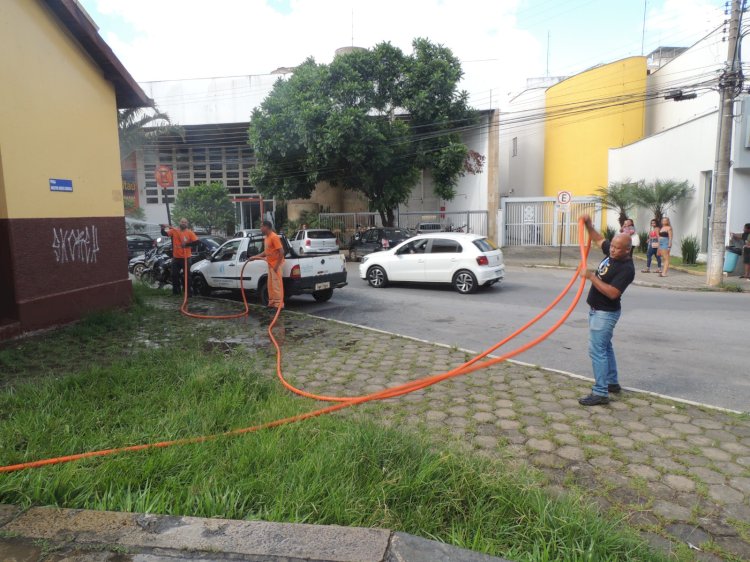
(681, 142)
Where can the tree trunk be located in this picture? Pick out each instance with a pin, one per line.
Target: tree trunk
(388, 217)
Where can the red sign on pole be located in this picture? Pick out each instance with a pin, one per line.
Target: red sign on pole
(164, 176)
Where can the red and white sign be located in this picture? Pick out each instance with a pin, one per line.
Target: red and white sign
(563, 201)
(164, 176)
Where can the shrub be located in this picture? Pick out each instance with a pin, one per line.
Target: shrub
(643, 246)
(690, 247)
(609, 233)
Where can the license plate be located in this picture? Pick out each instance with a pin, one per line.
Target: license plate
(321, 286)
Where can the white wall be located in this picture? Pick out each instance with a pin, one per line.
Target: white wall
(701, 63)
(680, 153)
(229, 99)
(522, 175)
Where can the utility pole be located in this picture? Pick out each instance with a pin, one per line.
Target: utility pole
(729, 86)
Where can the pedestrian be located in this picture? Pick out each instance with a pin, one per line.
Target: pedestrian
(665, 245)
(653, 248)
(273, 253)
(628, 227)
(183, 240)
(615, 272)
(745, 238)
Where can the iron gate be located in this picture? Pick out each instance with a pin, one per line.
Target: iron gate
(537, 221)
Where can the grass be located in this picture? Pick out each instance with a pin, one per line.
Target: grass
(326, 471)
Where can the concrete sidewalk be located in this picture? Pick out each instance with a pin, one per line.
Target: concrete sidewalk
(679, 279)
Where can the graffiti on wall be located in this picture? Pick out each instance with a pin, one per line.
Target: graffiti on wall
(75, 245)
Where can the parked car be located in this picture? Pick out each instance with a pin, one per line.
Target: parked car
(314, 241)
(248, 233)
(466, 261)
(316, 275)
(139, 244)
(375, 240)
(425, 227)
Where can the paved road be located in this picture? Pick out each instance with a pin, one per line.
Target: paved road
(691, 345)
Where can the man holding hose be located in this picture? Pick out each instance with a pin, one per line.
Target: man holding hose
(615, 272)
(273, 253)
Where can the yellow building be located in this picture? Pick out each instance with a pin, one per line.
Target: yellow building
(62, 233)
(586, 115)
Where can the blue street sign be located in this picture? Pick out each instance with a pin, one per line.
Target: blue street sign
(60, 185)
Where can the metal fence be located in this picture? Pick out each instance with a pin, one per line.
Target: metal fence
(537, 221)
(344, 225)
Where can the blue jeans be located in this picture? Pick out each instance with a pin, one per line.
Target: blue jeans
(601, 327)
(650, 254)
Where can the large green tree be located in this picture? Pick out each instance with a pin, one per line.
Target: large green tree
(370, 121)
(618, 196)
(206, 206)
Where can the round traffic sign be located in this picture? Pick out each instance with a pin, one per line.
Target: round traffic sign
(564, 197)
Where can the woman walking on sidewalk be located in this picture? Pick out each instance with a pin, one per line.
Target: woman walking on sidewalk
(665, 245)
(653, 248)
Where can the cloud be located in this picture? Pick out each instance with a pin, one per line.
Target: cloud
(682, 22)
(172, 39)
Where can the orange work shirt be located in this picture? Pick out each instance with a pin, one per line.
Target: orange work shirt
(180, 237)
(272, 249)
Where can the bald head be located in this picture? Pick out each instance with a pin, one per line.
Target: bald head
(619, 249)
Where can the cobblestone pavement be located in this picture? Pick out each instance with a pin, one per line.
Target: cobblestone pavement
(677, 280)
(679, 473)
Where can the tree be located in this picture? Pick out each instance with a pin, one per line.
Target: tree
(618, 196)
(370, 121)
(140, 126)
(660, 195)
(205, 205)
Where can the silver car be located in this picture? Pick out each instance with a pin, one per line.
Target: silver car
(314, 241)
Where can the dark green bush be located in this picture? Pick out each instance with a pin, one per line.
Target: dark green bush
(690, 246)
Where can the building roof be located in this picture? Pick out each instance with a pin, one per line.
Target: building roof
(75, 19)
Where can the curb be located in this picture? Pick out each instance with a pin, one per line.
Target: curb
(155, 538)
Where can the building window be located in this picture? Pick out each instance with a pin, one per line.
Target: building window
(515, 146)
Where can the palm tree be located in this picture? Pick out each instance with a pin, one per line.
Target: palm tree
(661, 195)
(618, 196)
(138, 127)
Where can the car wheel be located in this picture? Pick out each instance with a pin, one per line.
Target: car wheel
(263, 293)
(464, 282)
(323, 296)
(200, 286)
(138, 270)
(376, 277)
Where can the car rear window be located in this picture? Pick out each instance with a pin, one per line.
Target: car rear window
(485, 245)
(319, 234)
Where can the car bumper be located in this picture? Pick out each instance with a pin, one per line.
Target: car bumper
(308, 285)
(494, 273)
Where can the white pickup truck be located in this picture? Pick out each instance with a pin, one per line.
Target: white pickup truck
(315, 275)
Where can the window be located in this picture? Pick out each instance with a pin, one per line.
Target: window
(320, 234)
(228, 251)
(415, 247)
(515, 146)
(485, 245)
(371, 236)
(443, 246)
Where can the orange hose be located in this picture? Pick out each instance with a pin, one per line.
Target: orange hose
(470, 366)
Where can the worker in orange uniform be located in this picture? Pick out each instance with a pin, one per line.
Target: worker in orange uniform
(274, 255)
(183, 240)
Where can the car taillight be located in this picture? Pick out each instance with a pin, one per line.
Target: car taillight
(482, 260)
(307, 242)
(295, 274)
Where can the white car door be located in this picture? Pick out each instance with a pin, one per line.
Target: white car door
(222, 271)
(407, 264)
(441, 260)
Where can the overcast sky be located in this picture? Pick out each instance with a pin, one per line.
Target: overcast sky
(501, 42)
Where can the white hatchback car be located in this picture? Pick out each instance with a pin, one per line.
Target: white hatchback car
(314, 241)
(467, 261)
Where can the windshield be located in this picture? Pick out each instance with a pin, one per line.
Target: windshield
(485, 245)
(319, 234)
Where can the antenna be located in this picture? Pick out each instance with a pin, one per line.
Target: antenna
(643, 32)
(548, 53)
(352, 27)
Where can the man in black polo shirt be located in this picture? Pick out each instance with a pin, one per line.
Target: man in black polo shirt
(608, 283)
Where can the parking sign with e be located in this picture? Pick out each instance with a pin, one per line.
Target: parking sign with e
(564, 197)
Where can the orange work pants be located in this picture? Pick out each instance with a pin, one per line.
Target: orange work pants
(275, 287)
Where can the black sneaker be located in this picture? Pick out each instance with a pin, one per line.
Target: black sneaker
(593, 400)
(615, 388)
